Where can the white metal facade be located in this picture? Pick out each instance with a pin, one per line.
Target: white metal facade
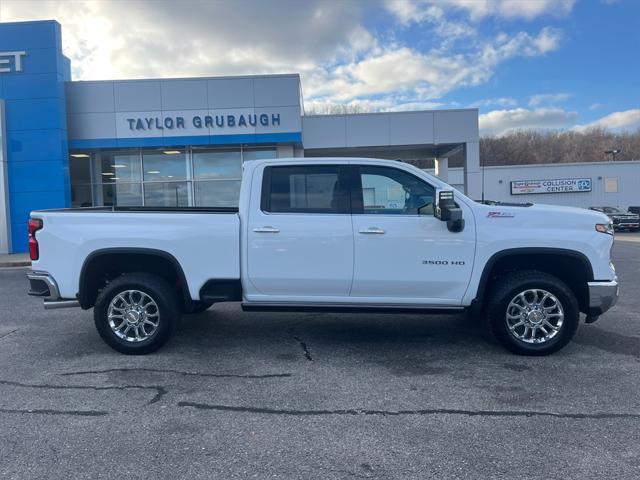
(626, 175)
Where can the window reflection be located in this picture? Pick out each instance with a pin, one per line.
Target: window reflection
(169, 194)
(255, 154)
(217, 193)
(205, 177)
(217, 164)
(168, 165)
(119, 167)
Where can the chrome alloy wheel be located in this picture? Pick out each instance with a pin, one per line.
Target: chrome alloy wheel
(133, 316)
(534, 316)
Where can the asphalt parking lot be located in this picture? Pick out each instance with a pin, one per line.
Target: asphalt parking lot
(238, 395)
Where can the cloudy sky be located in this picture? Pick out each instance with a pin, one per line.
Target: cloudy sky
(524, 63)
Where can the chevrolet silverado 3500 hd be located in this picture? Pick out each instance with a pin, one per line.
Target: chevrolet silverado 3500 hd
(329, 234)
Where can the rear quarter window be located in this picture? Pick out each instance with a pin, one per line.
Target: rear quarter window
(305, 189)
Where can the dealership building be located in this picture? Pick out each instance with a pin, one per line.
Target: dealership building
(182, 142)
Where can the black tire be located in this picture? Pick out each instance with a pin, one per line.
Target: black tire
(199, 307)
(511, 285)
(168, 310)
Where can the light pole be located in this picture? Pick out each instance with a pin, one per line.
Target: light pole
(613, 153)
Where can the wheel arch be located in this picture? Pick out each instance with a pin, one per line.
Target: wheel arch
(120, 260)
(546, 259)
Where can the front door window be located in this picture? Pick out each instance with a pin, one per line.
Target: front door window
(390, 191)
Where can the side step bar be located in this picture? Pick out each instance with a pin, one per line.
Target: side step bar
(347, 308)
(62, 303)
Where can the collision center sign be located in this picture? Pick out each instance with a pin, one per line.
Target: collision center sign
(558, 185)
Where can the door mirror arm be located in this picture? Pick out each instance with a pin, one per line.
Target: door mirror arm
(426, 209)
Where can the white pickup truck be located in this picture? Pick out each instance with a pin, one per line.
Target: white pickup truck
(329, 234)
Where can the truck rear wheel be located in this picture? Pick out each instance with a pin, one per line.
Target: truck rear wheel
(533, 313)
(136, 313)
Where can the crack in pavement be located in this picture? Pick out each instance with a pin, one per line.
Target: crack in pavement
(395, 413)
(305, 350)
(9, 333)
(160, 391)
(77, 413)
(179, 372)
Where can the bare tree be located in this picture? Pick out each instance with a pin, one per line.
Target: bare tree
(535, 146)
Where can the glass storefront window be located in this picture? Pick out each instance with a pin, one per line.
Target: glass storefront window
(255, 154)
(217, 164)
(123, 194)
(217, 193)
(81, 196)
(167, 194)
(198, 176)
(167, 165)
(80, 169)
(119, 167)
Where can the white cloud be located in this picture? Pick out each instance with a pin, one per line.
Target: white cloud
(595, 106)
(625, 120)
(495, 102)
(340, 60)
(499, 122)
(548, 99)
(408, 11)
(428, 75)
(133, 39)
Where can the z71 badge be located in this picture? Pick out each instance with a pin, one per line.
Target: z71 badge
(500, 214)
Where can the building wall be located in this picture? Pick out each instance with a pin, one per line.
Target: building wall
(5, 219)
(497, 183)
(191, 111)
(390, 129)
(35, 122)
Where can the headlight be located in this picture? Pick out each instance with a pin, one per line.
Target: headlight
(604, 228)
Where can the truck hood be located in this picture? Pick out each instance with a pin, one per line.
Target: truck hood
(551, 214)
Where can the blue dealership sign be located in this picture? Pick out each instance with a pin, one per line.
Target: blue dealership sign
(32, 75)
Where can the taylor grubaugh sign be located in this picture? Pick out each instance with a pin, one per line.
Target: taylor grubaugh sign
(559, 185)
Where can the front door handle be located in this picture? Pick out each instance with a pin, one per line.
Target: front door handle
(266, 230)
(372, 231)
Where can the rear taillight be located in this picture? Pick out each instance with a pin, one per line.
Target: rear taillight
(35, 224)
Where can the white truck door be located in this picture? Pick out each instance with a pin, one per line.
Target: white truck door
(299, 234)
(400, 256)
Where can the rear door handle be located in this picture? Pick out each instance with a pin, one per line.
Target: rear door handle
(371, 231)
(266, 230)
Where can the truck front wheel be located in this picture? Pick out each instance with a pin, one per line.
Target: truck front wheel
(532, 313)
(136, 313)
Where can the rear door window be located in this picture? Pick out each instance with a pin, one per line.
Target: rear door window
(305, 189)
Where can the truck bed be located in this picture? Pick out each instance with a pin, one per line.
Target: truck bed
(145, 209)
(205, 242)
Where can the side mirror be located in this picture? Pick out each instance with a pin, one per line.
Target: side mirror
(447, 211)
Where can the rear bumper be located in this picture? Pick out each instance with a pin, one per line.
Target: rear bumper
(602, 296)
(42, 284)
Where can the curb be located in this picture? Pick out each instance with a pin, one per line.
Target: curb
(14, 264)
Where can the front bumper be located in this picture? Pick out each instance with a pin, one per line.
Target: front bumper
(626, 226)
(602, 296)
(42, 284)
